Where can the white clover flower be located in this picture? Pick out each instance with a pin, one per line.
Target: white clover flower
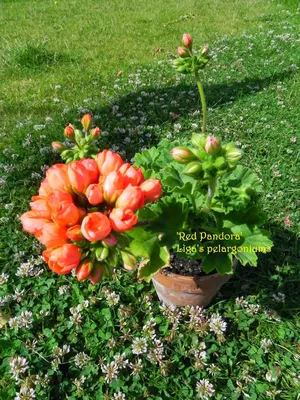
(213, 369)
(24, 320)
(265, 344)
(63, 289)
(28, 269)
(25, 393)
(253, 308)
(110, 370)
(119, 396)
(136, 367)
(3, 278)
(81, 359)
(121, 360)
(217, 325)
(204, 389)
(241, 302)
(18, 366)
(279, 297)
(139, 346)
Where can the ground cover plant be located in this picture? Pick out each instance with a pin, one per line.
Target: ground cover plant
(64, 339)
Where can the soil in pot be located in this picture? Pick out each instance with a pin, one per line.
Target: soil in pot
(184, 267)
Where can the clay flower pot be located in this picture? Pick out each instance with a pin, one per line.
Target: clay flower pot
(179, 290)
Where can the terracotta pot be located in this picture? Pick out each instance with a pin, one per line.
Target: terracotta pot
(179, 290)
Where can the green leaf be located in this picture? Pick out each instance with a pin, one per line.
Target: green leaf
(160, 258)
(142, 242)
(221, 262)
(171, 215)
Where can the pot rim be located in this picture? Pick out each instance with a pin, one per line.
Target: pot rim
(187, 279)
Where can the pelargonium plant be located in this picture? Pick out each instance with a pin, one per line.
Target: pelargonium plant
(84, 209)
(210, 210)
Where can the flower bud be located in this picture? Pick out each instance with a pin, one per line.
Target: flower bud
(95, 132)
(193, 169)
(94, 194)
(58, 146)
(198, 140)
(74, 233)
(86, 121)
(212, 145)
(96, 273)
(204, 51)
(110, 240)
(187, 40)
(129, 261)
(69, 132)
(220, 163)
(233, 154)
(102, 253)
(182, 52)
(182, 155)
(83, 270)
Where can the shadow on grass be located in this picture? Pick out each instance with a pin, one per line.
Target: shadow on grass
(130, 105)
(277, 272)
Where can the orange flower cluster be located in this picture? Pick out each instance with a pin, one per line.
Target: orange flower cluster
(86, 200)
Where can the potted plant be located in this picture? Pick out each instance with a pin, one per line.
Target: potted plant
(185, 213)
(209, 215)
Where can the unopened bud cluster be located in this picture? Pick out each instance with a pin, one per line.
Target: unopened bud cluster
(190, 60)
(208, 158)
(83, 141)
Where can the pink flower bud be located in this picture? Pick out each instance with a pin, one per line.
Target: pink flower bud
(212, 145)
(110, 240)
(57, 146)
(69, 132)
(182, 52)
(95, 132)
(205, 50)
(182, 154)
(187, 40)
(86, 121)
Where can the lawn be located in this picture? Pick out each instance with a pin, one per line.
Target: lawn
(60, 338)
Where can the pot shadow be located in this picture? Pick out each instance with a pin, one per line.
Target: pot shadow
(130, 106)
(276, 279)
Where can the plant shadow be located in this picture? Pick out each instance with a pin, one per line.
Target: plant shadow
(165, 106)
(276, 279)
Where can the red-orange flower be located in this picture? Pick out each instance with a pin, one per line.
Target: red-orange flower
(122, 219)
(63, 259)
(57, 177)
(113, 186)
(152, 190)
(94, 194)
(65, 214)
(74, 233)
(32, 223)
(69, 132)
(132, 175)
(108, 161)
(52, 235)
(41, 208)
(92, 167)
(79, 176)
(95, 226)
(132, 197)
(55, 198)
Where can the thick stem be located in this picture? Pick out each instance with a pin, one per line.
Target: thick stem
(203, 101)
(212, 184)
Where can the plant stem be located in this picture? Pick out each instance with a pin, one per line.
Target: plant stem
(203, 101)
(211, 190)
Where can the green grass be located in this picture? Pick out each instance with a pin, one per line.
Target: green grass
(59, 60)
